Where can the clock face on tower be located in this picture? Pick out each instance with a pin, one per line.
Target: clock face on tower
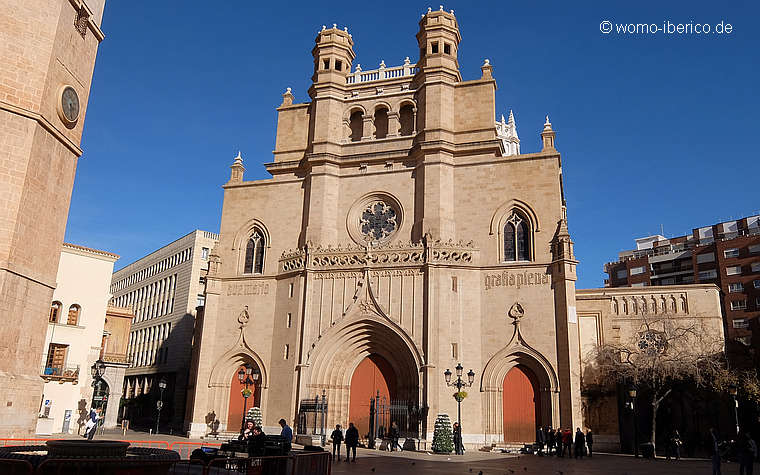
(69, 105)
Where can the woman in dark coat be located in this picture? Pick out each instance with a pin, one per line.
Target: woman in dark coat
(352, 440)
(580, 442)
(458, 439)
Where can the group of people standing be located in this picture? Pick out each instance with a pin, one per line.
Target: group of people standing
(557, 442)
(351, 439)
(256, 440)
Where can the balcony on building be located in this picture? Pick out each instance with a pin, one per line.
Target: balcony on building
(62, 374)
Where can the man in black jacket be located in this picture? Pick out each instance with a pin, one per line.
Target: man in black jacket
(337, 438)
(352, 440)
(256, 442)
(580, 442)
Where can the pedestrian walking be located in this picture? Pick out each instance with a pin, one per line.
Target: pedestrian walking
(457, 439)
(550, 440)
(287, 433)
(352, 440)
(580, 442)
(747, 450)
(567, 440)
(337, 438)
(395, 434)
(540, 440)
(715, 452)
(559, 442)
(590, 442)
(91, 426)
(674, 446)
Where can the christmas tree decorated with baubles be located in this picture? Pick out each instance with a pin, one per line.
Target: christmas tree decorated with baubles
(443, 439)
(254, 414)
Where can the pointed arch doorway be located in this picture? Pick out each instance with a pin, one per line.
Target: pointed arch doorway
(373, 375)
(237, 402)
(521, 404)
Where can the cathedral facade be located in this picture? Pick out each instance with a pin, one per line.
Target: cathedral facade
(403, 232)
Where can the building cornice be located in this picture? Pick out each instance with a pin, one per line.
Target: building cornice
(81, 250)
(652, 289)
(46, 124)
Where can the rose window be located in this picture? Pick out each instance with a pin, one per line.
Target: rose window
(652, 342)
(377, 221)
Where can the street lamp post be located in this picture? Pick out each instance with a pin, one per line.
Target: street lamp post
(244, 376)
(97, 370)
(733, 390)
(160, 403)
(459, 384)
(632, 395)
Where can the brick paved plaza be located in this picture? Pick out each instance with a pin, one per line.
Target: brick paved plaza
(378, 463)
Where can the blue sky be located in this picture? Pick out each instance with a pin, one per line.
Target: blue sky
(654, 129)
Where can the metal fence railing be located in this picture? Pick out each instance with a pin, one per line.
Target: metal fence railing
(307, 463)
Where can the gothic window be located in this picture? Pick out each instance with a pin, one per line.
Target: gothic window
(254, 254)
(55, 312)
(517, 238)
(73, 315)
(377, 221)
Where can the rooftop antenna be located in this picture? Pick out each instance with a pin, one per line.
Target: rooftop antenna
(662, 230)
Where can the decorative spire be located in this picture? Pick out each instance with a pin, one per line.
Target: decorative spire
(287, 98)
(506, 131)
(486, 70)
(237, 169)
(547, 136)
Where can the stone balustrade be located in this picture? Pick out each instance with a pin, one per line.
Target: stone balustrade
(405, 70)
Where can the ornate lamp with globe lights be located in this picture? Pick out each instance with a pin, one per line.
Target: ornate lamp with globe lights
(459, 384)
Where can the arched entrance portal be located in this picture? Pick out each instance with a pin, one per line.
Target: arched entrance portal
(237, 401)
(373, 376)
(522, 405)
(356, 359)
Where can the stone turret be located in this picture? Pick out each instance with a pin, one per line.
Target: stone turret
(237, 169)
(438, 40)
(547, 136)
(333, 55)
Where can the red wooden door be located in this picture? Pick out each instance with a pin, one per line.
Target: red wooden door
(521, 405)
(235, 413)
(373, 374)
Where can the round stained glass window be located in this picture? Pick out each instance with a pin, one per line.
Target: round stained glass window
(377, 221)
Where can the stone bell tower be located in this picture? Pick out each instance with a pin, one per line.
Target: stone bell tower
(438, 40)
(333, 55)
(47, 55)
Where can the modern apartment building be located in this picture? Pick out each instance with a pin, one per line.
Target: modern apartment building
(726, 254)
(165, 290)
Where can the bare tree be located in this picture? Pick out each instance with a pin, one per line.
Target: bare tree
(661, 354)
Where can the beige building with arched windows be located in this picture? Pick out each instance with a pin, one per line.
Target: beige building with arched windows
(402, 232)
(73, 340)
